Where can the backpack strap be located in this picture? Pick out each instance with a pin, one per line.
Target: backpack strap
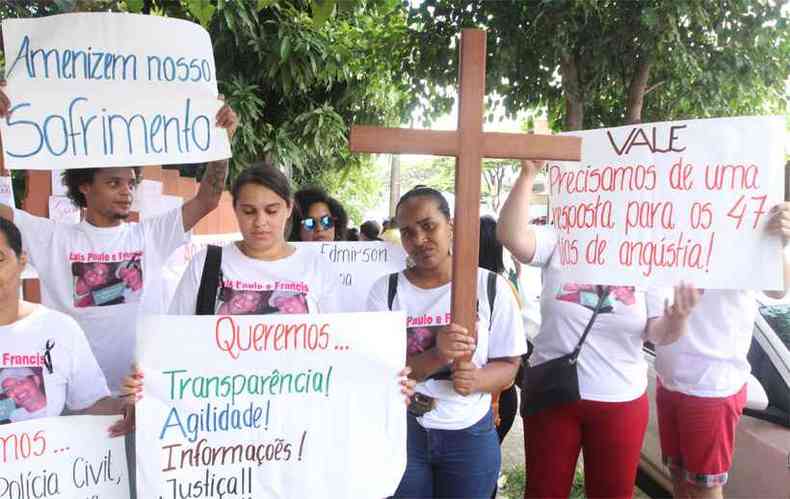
(392, 289)
(491, 291)
(209, 281)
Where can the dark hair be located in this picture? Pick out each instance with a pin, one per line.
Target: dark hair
(371, 230)
(353, 234)
(307, 197)
(12, 235)
(491, 253)
(77, 177)
(263, 174)
(426, 192)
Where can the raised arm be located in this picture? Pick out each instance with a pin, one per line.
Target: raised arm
(5, 104)
(213, 182)
(780, 225)
(513, 226)
(6, 212)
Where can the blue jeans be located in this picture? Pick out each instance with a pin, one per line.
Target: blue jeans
(451, 463)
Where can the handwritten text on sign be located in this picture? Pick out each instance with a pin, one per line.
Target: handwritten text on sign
(662, 202)
(88, 91)
(271, 406)
(66, 457)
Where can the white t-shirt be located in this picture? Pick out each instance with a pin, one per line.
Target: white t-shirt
(75, 382)
(100, 277)
(427, 310)
(300, 283)
(710, 359)
(611, 365)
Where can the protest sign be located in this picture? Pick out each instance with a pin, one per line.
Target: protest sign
(663, 202)
(6, 191)
(358, 265)
(66, 457)
(271, 406)
(87, 90)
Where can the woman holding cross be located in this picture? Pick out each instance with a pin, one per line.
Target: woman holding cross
(452, 446)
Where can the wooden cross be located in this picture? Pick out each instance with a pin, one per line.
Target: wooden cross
(469, 144)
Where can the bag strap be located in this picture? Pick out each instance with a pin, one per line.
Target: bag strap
(491, 289)
(209, 281)
(603, 293)
(392, 289)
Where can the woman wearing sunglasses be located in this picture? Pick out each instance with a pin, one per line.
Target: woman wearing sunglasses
(320, 217)
(452, 446)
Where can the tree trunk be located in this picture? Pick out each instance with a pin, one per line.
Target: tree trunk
(636, 91)
(574, 98)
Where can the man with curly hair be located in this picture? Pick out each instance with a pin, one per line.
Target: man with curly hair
(133, 254)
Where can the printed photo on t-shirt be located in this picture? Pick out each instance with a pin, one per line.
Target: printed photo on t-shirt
(22, 394)
(98, 284)
(257, 302)
(587, 296)
(420, 339)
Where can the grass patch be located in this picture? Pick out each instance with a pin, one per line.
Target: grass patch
(513, 480)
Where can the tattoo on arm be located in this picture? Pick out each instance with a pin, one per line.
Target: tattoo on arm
(214, 178)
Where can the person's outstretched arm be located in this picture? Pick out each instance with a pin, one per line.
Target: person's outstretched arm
(213, 182)
(513, 226)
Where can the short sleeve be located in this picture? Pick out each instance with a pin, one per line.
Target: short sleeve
(185, 298)
(545, 243)
(377, 299)
(86, 383)
(37, 235)
(507, 338)
(165, 233)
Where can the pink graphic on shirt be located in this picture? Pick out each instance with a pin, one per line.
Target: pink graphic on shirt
(251, 302)
(587, 296)
(103, 283)
(23, 395)
(420, 339)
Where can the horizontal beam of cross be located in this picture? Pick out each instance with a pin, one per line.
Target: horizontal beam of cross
(446, 143)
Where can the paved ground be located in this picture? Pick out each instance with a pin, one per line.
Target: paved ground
(513, 446)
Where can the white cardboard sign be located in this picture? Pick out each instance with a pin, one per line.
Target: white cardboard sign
(87, 90)
(271, 406)
(663, 202)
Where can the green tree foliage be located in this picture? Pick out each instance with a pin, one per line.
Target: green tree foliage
(298, 73)
(496, 178)
(609, 62)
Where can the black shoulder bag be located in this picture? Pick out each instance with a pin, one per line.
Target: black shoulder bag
(556, 381)
(210, 281)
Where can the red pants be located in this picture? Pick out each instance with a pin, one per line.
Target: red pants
(609, 433)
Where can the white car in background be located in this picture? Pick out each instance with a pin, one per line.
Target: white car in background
(761, 464)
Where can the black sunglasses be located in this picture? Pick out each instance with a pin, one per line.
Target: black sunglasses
(326, 222)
